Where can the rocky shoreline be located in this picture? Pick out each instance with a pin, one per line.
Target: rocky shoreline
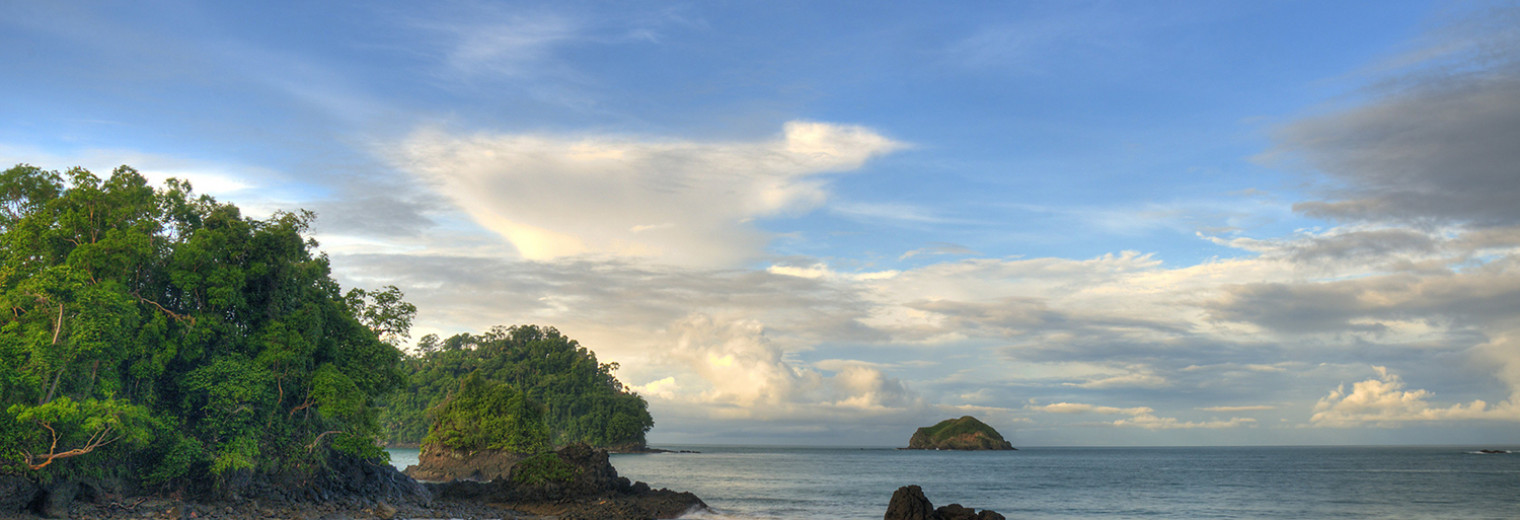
(355, 489)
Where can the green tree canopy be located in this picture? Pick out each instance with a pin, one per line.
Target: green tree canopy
(488, 415)
(583, 401)
(159, 335)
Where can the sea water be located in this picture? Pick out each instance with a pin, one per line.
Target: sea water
(1088, 483)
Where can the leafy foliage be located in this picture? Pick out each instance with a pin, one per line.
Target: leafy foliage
(964, 433)
(487, 415)
(583, 401)
(161, 336)
(542, 469)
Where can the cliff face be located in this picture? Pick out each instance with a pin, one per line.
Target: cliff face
(965, 433)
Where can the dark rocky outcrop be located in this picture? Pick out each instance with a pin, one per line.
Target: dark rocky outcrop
(17, 494)
(909, 503)
(576, 482)
(343, 481)
(437, 463)
(965, 433)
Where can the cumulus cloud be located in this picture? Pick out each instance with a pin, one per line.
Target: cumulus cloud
(745, 375)
(1384, 402)
(667, 201)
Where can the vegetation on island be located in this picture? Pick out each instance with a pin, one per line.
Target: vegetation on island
(965, 433)
(488, 415)
(581, 399)
(163, 338)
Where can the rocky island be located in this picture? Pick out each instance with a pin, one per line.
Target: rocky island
(965, 433)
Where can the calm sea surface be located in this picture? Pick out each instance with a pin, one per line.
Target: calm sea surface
(1104, 483)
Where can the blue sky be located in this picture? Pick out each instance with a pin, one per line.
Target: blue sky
(1084, 222)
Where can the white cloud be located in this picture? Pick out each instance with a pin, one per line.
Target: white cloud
(1140, 417)
(665, 388)
(744, 375)
(667, 201)
(1075, 408)
(1140, 379)
(1384, 402)
(211, 178)
(821, 271)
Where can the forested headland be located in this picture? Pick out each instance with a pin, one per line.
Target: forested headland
(581, 399)
(161, 338)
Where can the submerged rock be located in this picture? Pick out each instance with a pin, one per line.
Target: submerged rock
(909, 503)
(965, 433)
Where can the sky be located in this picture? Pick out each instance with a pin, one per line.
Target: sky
(830, 223)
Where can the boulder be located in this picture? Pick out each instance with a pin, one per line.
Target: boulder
(909, 503)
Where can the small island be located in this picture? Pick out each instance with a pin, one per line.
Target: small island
(965, 433)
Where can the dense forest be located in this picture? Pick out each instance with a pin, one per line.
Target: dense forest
(582, 401)
(162, 337)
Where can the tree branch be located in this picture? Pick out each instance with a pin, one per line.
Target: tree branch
(303, 406)
(97, 440)
(314, 442)
(172, 314)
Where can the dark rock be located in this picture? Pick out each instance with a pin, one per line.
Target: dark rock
(17, 494)
(370, 480)
(592, 489)
(57, 497)
(385, 511)
(440, 464)
(909, 503)
(955, 512)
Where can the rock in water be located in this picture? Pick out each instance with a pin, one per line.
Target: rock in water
(965, 433)
(909, 503)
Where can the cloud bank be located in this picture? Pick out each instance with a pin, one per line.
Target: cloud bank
(664, 201)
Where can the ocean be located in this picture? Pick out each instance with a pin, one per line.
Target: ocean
(1091, 483)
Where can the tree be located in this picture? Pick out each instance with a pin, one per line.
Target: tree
(385, 312)
(583, 400)
(488, 415)
(159, 335)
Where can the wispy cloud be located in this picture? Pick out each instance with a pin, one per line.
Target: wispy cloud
(1140, 417)
(501, 45)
